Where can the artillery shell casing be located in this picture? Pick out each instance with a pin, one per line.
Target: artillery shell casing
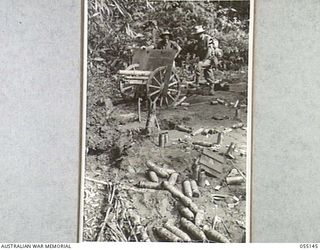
(173, 178)
(166, 235)
(238, 125)
(187, 188)
(220, 101)
(166, 138)
(214, 102)
(234, 180)
(161, 141)
(175, 192)
(186, 201)
(202, 143)
(153, 176)
(186, 212)
(195, 189)
(214, 235)
(177, 231)
(197, 132)
(231, 149)
(202, 178)
(219, 138)
(193, 207)
(160, 171)
(179, 195)
(185, 104)
(193, 230)
(198, 220)
(238, 113)
(183, 129)
(148, 184)
(195, 171)
(168, 169)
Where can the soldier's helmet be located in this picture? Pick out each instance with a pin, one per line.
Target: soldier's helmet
(166, 33)
(198, 30)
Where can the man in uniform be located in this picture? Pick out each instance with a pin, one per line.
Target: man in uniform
(206, 49)
(167, 43)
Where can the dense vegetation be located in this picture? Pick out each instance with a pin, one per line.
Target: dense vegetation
(114, 26)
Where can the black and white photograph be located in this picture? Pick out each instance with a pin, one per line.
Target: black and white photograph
(168, 114)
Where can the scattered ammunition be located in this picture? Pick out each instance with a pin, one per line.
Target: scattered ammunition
(219, 138)
(202, 178)
(149, 184)
(166, 235)
(179, 195)
(220, 101)
(186, 201)
(179, 102)
(166, 137)
(173, 229)
(160, 171)
(198, 220)
(202, 143)
(237, 115)
(173, 178)
(193, 207)
(214, 235)
(230, 150)
(197, 132)
(187, 188)
(161, 140)
(186, 212)
(185, 104)
(183, 129)
(195, 171)
(174, 191)
(214, 102)
(153, 176)
(234, 180)
(168, 169)
(238, 125)
(193, 230)
(195, 189)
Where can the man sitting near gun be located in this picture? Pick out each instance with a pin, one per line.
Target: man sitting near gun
(206, 49)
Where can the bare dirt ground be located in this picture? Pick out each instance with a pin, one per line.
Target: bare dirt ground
(115, 209)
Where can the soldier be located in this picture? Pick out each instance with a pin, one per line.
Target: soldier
(207, 50)
(167, 43)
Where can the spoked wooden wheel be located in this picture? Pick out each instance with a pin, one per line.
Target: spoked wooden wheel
(127, 90)
(163, 89)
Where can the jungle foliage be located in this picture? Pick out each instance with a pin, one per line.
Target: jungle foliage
(115, 26)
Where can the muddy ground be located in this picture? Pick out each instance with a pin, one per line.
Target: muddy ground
(115, 209)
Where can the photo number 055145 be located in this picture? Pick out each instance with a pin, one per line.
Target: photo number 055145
(167, 121)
